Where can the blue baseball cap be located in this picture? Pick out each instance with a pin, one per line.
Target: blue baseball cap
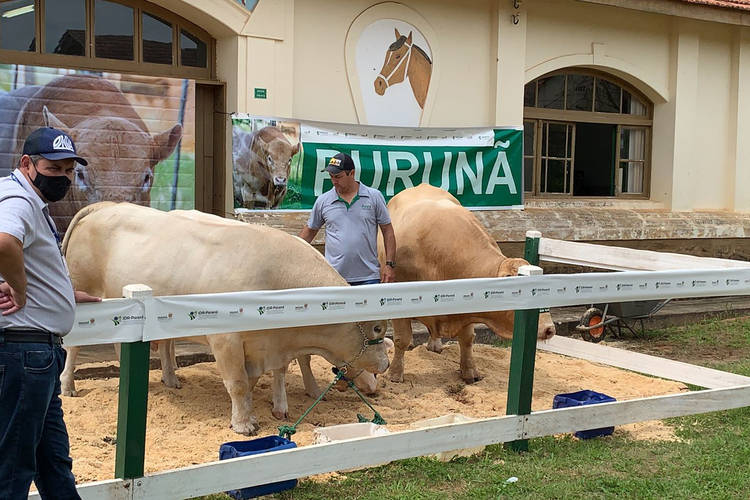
(51, 144)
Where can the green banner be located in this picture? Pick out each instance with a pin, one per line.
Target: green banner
(482, 168)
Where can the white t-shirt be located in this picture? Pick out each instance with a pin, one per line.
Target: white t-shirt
(50, 303)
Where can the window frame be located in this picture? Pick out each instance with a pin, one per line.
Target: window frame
(89, 61)
(541, 115)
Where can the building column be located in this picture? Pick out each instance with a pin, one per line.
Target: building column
(741, 96)
(510, 62)
(684, 83)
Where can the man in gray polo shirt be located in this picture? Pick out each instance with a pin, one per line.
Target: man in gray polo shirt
(37, 302)
(352, 213)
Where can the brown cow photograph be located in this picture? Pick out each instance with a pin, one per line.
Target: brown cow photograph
(136, 132)
(265, 155)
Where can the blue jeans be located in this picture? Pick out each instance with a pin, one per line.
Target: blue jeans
(33, 439)
(365, 282)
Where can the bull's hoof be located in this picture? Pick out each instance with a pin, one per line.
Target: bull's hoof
(69, 392)
(172, 384)
(246, 429)
(471, 376)
(280, 415)
(397, 377)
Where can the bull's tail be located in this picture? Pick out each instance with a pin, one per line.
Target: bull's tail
(88, 209)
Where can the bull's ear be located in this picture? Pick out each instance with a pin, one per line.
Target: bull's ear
(408, 39)
(50, 120)
(509, 267)
(398, 35)
(295, 149)
(165, 143)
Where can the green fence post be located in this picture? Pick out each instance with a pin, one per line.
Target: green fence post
(133, 400)
(523, 349)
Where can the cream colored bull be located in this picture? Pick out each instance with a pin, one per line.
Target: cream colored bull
(110, 245)
(438, 239)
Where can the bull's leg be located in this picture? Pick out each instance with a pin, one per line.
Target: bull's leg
(168, 364)
(67, 382)
(280, 406)
(469, 371)
(402, 336)
(230, 361)
(311, 385)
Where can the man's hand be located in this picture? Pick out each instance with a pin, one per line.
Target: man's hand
(85, 297)
(10, 300)
(389, 275)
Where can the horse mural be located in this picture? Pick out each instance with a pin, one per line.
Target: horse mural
(403, 59)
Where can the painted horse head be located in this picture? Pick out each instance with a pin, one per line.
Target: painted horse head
(403, 59)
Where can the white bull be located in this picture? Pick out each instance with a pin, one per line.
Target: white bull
(110, 245)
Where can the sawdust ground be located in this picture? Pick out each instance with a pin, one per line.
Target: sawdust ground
(186, 426)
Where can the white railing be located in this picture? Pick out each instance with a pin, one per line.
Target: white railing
(154, 318)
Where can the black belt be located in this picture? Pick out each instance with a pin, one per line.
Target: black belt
(29, 337)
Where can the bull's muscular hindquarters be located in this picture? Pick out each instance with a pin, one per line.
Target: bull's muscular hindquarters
(438, 239)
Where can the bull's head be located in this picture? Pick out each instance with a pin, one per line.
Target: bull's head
(121, 158)
(371, 351)
(277, 155)
(501, 322)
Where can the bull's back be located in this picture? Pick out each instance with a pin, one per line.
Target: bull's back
(188, 253)
(438, 238)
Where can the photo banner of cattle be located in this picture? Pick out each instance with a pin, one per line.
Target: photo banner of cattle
(137, 133)
(280, 163)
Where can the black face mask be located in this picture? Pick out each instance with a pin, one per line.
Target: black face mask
(53, 187)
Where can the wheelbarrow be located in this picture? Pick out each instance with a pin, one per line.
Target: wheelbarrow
(616, 317)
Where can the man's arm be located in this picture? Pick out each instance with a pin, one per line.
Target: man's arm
(389, 242)
(308, 234)
(13, 289)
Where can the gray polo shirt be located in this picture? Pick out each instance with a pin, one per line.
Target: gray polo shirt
(351, 231)
(50, 304)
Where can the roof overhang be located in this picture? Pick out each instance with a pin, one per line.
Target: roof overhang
(718, 11)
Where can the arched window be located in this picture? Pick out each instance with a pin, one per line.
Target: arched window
(116, 35)
(586, 134)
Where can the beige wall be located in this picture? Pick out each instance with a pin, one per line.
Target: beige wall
(697, 74)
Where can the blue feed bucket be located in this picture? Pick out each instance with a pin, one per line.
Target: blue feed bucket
(582, 398)
(236, 449)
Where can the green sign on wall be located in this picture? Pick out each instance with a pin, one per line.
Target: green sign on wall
(481, 167)
(260, 93)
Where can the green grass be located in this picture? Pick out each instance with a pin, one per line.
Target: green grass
(711, 460)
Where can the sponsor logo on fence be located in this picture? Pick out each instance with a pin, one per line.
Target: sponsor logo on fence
(540, 291)
(127, 319)
(699, 283)
(88, 323)
(333, 305)
(663, 284)
(416, 300)
(360, 303)
(624, 287)
(468, 296)
(584, 289)
(301, 307)
(272, 309)
(391, 301)
(165, 317)
(444, 297)
(237, 312)
(202, 315)
(494, 294)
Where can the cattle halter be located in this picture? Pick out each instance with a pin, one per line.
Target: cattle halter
(407, 59)
(365, 342)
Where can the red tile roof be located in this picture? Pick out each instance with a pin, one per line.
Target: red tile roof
(724, 4)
